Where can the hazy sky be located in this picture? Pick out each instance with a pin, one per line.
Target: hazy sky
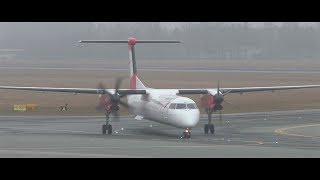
(172, 25)
(43, 40)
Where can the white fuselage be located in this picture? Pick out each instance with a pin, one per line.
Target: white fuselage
(168, 108)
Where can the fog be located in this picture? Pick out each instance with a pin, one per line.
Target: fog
(231, 41)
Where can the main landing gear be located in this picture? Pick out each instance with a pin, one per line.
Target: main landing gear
(107, 127)
(209, 127)
(186, 134)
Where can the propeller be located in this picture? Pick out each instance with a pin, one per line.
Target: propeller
(233, 105)
(219, 98)
(102, 98)
(114, 100)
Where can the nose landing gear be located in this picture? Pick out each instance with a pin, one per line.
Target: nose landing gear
(186, 134)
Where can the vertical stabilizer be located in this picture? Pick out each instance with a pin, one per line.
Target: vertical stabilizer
(135, 82)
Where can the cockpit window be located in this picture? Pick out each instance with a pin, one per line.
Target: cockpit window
(181, 106)
(192, 106)
(172, 106)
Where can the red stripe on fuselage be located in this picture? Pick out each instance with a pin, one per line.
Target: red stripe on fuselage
(133, 82)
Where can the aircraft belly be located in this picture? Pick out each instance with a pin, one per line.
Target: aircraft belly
(159, 117)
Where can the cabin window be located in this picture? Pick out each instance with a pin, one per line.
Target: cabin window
(181, 106)
(192, 106)
(172, 106)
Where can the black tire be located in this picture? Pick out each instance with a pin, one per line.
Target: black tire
(104, 129)
(211, 127)
(206, 128)
(188, 136)
(109, 129)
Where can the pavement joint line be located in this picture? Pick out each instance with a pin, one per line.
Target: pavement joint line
(202, 115)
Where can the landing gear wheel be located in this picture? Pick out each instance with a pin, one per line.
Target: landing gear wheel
(211, 127)
(206, 128)
(109, 127)
(186, 135)
(104, 129)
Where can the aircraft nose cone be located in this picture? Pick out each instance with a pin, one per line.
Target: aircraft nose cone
(191, 118)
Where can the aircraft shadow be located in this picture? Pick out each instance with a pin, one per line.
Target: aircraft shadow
(155, 132)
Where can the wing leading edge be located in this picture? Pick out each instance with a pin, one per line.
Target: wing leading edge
(144, 91)
(76, 90)
(243, 89)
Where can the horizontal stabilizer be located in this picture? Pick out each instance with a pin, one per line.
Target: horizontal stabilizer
(126, 41)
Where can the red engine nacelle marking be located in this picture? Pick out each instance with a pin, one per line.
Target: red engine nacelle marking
(103, 99)
(207, 101)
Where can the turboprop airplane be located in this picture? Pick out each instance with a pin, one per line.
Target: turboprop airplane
(165, 106)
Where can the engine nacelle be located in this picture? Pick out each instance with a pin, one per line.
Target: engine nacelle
(103, 99)
(114, 107)
(217, 107)
(207, 102)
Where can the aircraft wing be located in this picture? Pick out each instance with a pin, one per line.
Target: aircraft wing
(272, 88)
(76, 90)
(145, 91)
(242, 89)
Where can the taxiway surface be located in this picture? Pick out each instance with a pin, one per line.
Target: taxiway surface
(271, 134)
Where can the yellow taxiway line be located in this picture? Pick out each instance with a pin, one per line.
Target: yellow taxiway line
(282, 131)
